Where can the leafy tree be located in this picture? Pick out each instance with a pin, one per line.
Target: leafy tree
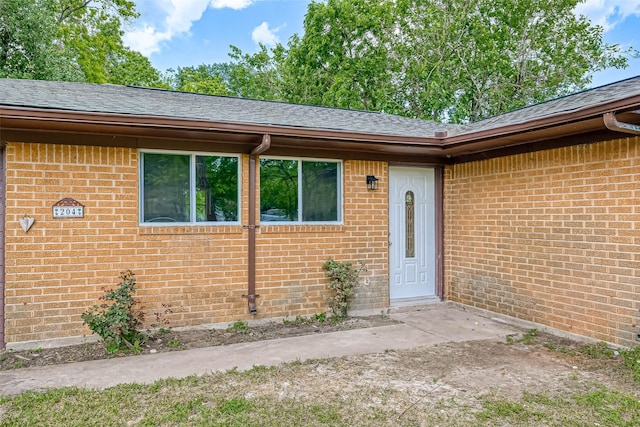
(77, 40)
(130, 68)
(209, 79)
(256, 76)
(447, 60)
(253, 76)
(342, 60)
(29, 43)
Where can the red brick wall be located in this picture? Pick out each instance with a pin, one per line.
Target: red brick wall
(551, 237)
(58, 269)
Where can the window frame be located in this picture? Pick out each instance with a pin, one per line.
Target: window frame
(192, 187)
(339, 196)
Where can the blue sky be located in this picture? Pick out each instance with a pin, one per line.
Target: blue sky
(179, 33)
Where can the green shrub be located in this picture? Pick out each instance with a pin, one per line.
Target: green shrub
(343, 279)
(116, 320)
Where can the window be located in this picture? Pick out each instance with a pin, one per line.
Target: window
(188, 188)
(300, 190)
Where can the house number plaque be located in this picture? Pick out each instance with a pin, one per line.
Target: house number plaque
(68, 208)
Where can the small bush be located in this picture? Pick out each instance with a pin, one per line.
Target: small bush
(343, 279)
(117, 321)
(239, 326)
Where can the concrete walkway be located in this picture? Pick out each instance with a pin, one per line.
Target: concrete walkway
(431, 325)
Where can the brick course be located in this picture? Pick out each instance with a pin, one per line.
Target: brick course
(58, 269)
(551, 237)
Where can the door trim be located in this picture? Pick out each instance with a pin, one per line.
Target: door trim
(439, 219)
(435, 293)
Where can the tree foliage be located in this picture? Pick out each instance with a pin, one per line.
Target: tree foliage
(76, 40)
(29, 44)
(443, 60)
(209, 79)
(246, 75)
(448, 60)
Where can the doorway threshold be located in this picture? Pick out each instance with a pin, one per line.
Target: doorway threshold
(414, 302)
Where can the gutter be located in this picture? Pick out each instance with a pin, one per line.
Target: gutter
(612, 123)
(439, 144)
(491, 138)
(251, 288)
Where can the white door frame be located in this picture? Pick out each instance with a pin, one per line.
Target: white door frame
(414, 266)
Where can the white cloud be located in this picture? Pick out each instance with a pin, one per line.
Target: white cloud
(179, 16)
(231, 4)
(608, 13)
(263, 34)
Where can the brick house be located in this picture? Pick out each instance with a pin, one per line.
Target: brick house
(227, 208)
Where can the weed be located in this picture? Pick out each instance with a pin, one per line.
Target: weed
(631, 359)
(117, 322)
(174, 343)
(600, 350)
(527, 338)
(343, 279)
(36, 351)
(161, 317)
(240, 326)
(530, 336)
(334, 320)
(234, 405)
(137, 346)
(258, 369)
(321, 317)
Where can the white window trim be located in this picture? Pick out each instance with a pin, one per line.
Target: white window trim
(340, 219)
(192, 188)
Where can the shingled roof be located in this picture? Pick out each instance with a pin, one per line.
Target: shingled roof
(575, 102)
(136, 101)
(87, 97)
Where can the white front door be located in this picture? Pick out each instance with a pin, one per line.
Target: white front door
(412, 233)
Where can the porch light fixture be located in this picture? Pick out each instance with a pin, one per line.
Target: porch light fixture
(372, 183)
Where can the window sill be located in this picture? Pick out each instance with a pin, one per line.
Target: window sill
(154, 230)
(301, 228)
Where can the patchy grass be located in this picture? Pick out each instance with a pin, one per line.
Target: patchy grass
(599, 407)
(281, 396)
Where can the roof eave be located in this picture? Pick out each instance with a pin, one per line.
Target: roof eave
(587, 119)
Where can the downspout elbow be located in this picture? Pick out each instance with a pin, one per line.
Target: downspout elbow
(264, 146)
(612, 123)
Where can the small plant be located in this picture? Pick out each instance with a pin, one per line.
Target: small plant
(527, 338)
(599, 350)
(161, 318)
(117, 321)
(530, 337)
(343, 279)
(631, 358)
(174, 343)
(321, 317)
(240, 326)
(299, 320)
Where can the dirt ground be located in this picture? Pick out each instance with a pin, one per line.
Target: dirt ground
(445, 384)
(520, 363)
(175, 340)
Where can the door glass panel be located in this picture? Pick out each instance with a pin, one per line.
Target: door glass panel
(410, 240)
